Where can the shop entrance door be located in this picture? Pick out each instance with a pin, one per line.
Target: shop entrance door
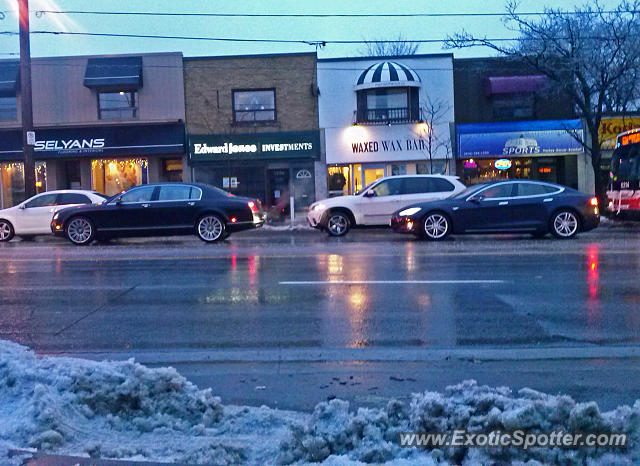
(278, 195)
(303, 188)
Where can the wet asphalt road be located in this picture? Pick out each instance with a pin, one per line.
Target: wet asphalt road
(363, 317)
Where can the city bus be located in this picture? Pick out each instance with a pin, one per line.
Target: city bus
(623, 192)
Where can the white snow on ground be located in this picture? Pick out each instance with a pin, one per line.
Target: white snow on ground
(125, 410)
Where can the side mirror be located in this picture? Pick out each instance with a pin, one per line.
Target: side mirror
(370, 193)
(22, 206)
(118, 201)
(477, 198)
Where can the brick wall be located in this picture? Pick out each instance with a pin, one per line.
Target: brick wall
(209, 83)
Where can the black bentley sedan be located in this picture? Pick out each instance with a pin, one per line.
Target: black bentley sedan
(516, 206)
(160, 210)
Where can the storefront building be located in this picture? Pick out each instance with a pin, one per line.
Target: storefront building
(383, 116)
(101, 123)
(252, 125)
(537, 150)
(511, 122)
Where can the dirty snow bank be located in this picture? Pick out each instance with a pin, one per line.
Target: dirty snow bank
(125, 410)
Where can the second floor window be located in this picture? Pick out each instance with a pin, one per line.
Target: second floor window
(511, 107)
(254, 107)
(121, 105)
(388, 105)
(8, 108)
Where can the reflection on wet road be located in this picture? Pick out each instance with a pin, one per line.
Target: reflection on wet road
(308, 292)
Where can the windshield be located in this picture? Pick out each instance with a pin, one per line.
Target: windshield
(469, 191)
(625, 163)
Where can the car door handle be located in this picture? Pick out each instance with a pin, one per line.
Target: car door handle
(191, 203)
(146, 205)
(503, 203)
(549, 199)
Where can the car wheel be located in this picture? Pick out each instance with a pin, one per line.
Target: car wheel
(6, 231)
(565, 224)
(80, 231)
(338, 224)
(436, 226)
(210, 228)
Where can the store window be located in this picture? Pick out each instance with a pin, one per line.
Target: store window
(479, 170)
(339, 180)
(254, 107)
(8, 108)
(121, 105)
(114, 176)
(12, 190)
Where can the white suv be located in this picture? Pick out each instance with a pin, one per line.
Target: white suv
(375, 203)
(33, 216)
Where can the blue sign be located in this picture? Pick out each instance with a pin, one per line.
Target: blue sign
(519, 139)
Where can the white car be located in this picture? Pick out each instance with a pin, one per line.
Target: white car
(33, 216)
(375, 203)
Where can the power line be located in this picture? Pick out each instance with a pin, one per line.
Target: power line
(318, 43)
(316, 15)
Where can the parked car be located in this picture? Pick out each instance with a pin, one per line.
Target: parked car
(159, 210)
(375, 203)
(33, 216)
(516, 206)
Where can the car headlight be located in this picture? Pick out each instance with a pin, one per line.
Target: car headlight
(56, 215)
(409, 211)
(319, 206)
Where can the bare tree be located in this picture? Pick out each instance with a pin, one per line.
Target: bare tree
(434, 113)
(591, 55)
(389, 48)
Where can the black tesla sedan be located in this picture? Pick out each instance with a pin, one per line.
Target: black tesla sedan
(516, 206)
(160, 210)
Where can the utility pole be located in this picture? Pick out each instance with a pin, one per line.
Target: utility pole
(25, 99)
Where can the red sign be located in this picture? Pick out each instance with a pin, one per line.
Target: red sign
(630, 139)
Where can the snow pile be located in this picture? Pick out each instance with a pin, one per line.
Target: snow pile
(125, 410)
(371, 435)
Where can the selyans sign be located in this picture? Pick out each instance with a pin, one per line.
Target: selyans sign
(519, 139)
(214, 147)
(97, 141)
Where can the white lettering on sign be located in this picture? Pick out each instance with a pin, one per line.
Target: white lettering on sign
(69, 144)
(226, 148)
(287, 147)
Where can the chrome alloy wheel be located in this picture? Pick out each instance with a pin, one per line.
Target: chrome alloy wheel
(338, 224)
(6, 232)
(436, 226)
(210, 228)
(80, 230)
(565, 224)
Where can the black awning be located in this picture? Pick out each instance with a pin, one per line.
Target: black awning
(9, 78)
(114, 73)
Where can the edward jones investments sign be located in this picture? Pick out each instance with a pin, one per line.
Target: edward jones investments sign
(213, 147)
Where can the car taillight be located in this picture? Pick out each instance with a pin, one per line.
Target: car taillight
(594, 201)
(253, 207)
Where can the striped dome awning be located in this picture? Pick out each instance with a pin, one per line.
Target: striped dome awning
(387, 74)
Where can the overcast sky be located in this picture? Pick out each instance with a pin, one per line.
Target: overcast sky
(313, 29)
